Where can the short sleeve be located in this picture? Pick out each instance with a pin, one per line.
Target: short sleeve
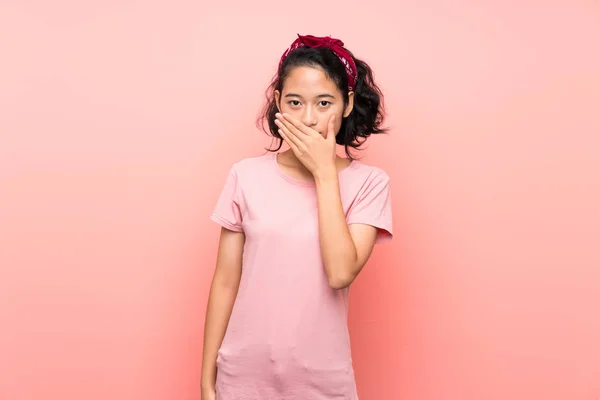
(227, 211)
(373, 206)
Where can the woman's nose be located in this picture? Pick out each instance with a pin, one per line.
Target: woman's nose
(309, 118)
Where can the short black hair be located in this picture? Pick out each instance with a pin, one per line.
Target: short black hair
(367, 114)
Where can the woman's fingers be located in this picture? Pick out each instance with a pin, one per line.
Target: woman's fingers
(297, 127)
(290, 129)
(293, 137)
(290, 142)
(330, 129)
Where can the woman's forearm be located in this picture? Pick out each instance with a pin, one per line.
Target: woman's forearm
(337, 247)
(220, 305)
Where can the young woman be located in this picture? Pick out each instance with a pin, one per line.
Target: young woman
(297, 228)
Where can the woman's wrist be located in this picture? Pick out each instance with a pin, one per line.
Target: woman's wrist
(326, 173)
(207, 386)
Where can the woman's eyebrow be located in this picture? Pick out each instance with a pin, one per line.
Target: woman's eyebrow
(324, 95)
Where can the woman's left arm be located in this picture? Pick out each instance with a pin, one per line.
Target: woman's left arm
(345, 248)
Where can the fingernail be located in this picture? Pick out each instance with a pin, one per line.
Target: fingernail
(278, 115)
(277, 122)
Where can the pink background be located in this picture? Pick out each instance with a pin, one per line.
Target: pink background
(120, 119)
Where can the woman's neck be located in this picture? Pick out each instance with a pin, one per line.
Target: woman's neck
(288, 160)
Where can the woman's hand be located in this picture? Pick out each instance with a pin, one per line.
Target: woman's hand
(316, 152)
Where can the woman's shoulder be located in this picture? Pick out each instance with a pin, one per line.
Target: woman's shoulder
(251, 170)
(252, 162)
(361, 170)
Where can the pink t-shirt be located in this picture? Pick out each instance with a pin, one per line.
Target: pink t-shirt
(288, 337)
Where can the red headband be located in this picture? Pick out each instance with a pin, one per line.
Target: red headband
(336, 45)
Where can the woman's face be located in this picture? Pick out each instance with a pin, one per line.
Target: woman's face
(310, 97)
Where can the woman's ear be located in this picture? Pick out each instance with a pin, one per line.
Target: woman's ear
(277, 97)
(350, 105)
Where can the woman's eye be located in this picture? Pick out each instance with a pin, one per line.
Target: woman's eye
(295, 103)
(324, 103)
